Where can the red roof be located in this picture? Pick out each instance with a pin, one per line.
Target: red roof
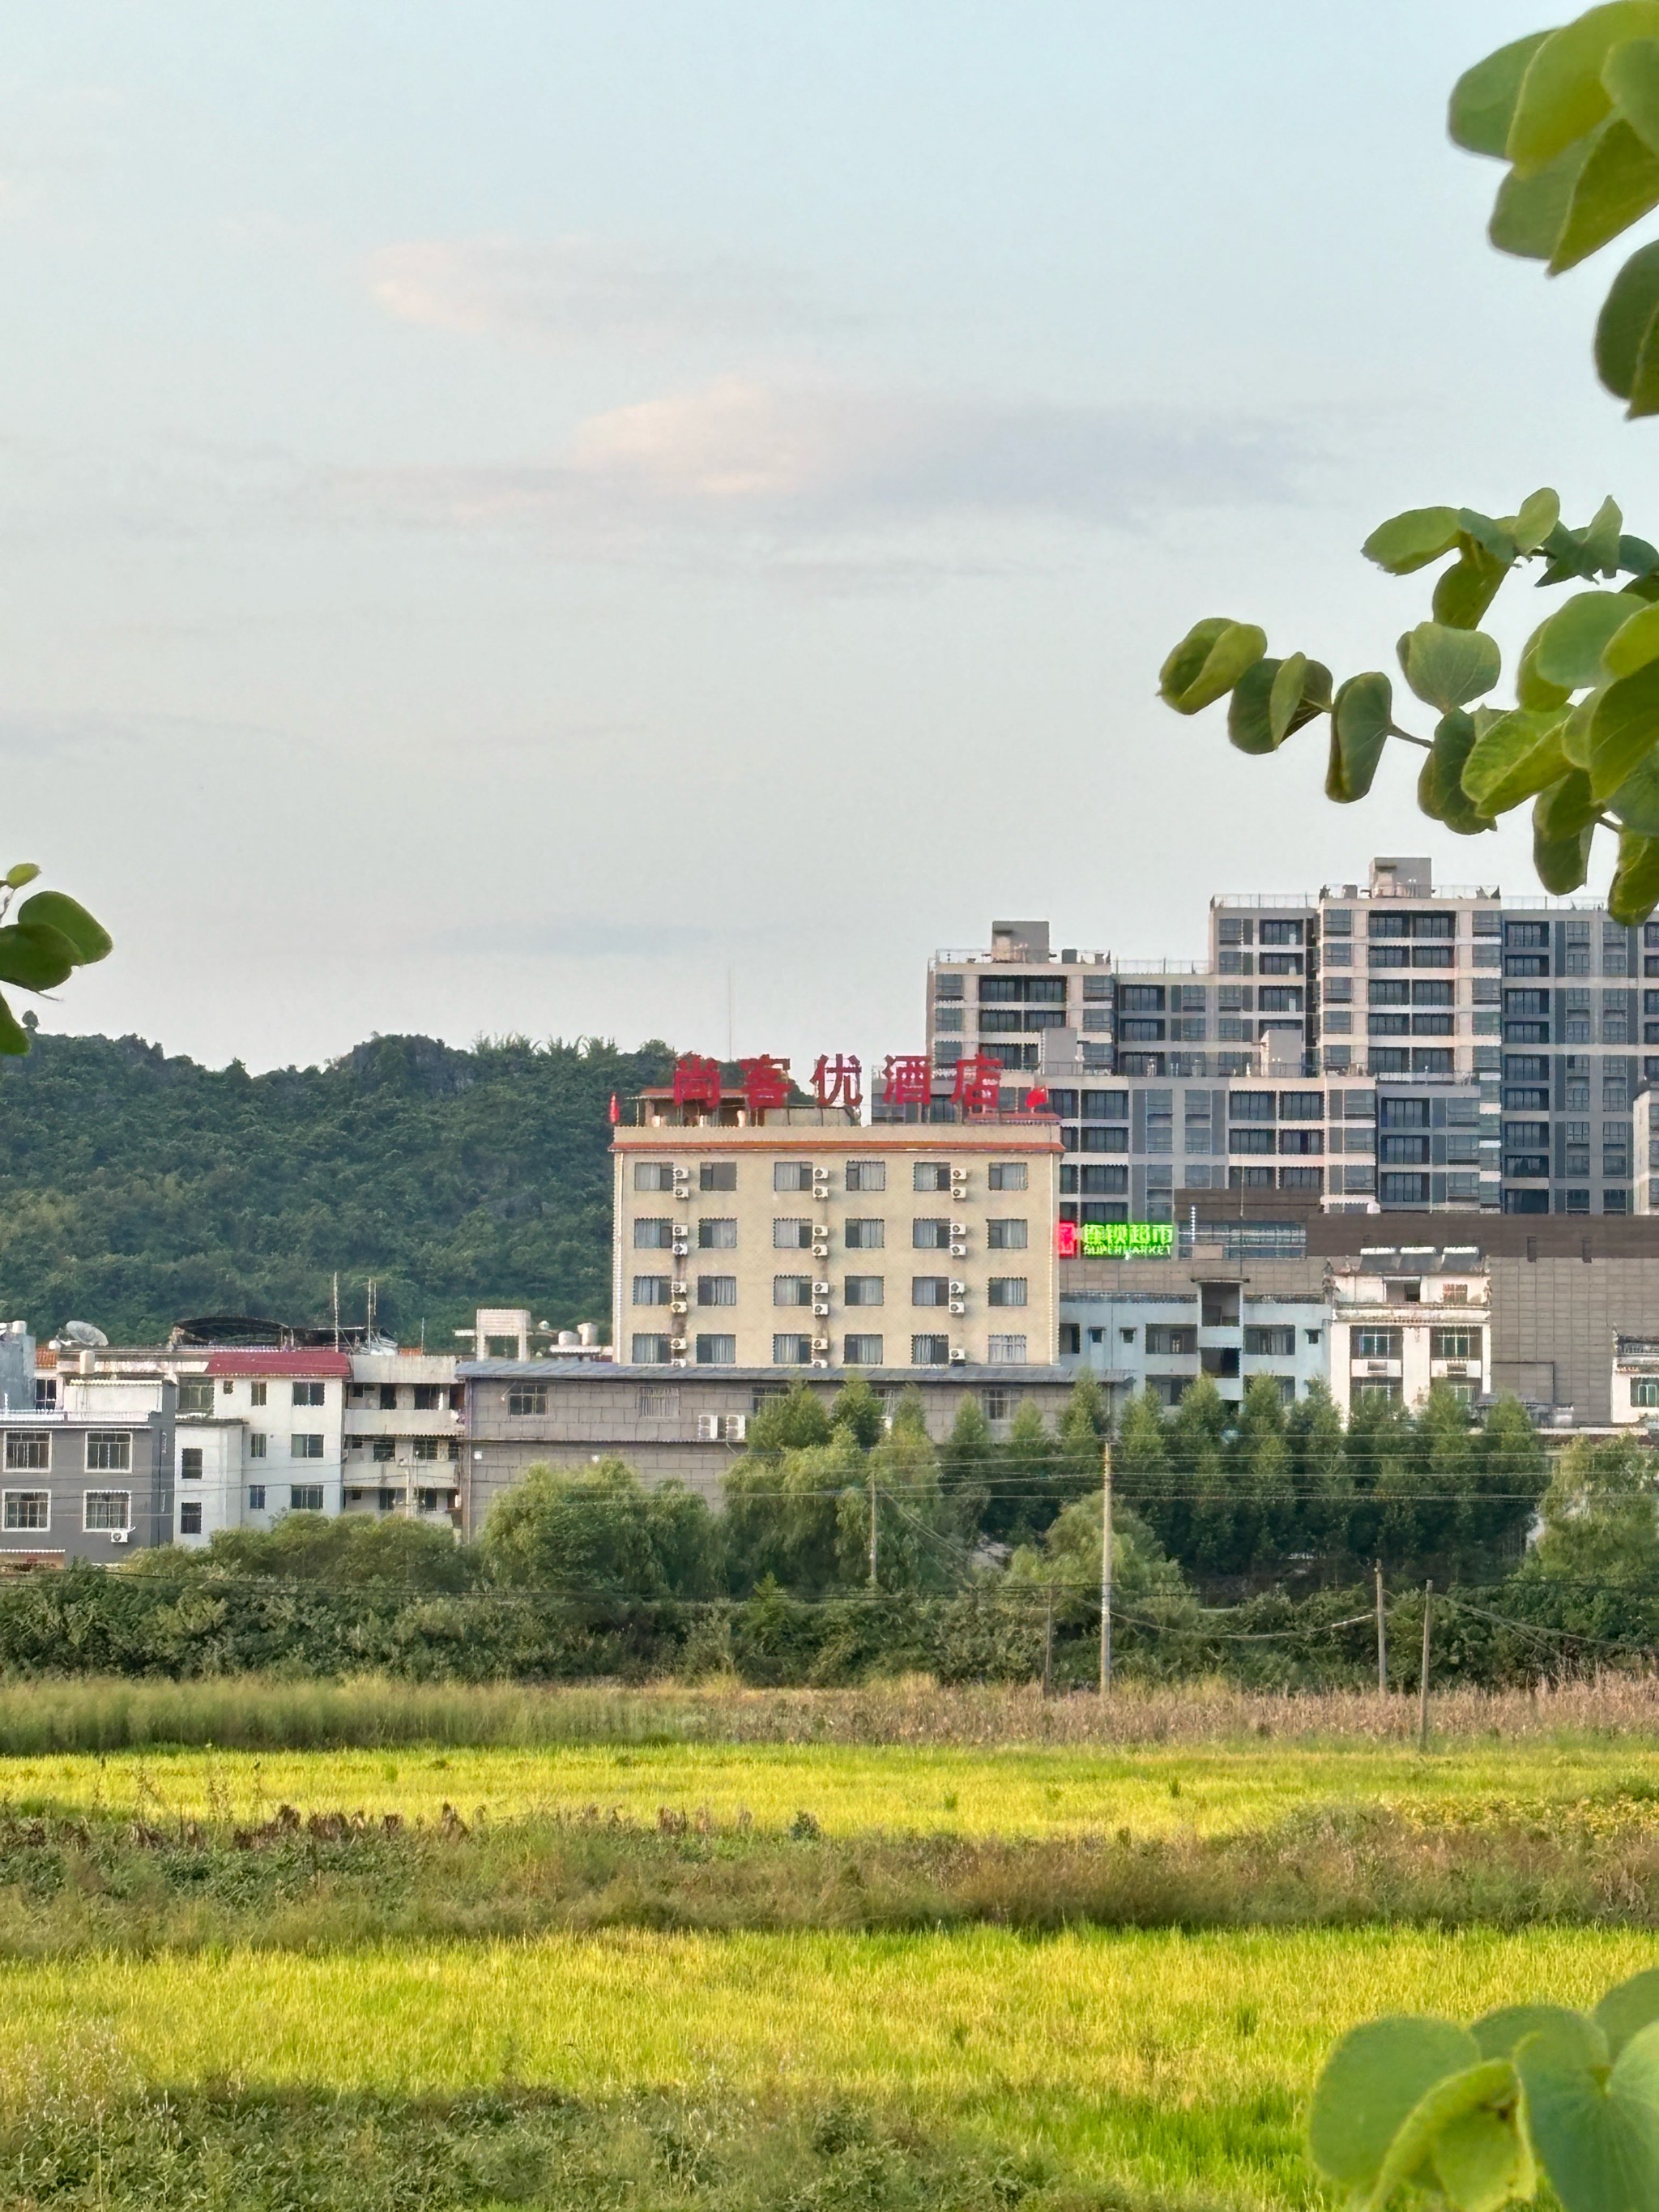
(312, 1363)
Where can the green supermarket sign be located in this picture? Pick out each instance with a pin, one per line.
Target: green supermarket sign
(1116, 1240)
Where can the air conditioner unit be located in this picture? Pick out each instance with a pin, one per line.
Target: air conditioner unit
(682, 1192)
(820, 1251)
(679, 1305)
(820, 1232)
(682, 1175)
(820, 1290)
(958, 1251)
(820, 1344)
(737, 1428)
(958, 1305)
(958, 1356)
(958, 1291)
(1376, 1367)
(120, 1536)
(678, 1290)
(820, 1363)
(821, 1309)
(958, 1229)
(677, 1344)
(679, 1363)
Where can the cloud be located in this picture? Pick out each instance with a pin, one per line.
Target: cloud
(580, 290)
(806, 461)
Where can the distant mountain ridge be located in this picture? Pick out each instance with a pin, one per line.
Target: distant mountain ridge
(136, 1189)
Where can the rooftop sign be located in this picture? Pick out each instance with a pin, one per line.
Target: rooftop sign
(1116, 1240)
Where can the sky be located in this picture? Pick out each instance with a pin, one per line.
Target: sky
(645, 520)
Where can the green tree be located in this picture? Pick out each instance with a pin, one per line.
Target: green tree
(781, 1521)
(1198, 1467)
(1141, 1475)
(790, 1423)
(857, 1409)
(1067, 1557)
(917, 1547)
(967, 1463)
(355, 1550)
(1508, 1477)
(1601, 1519)
(1031, 1484)
(1259, 1463)
(596, 1532)
(1320, 1471)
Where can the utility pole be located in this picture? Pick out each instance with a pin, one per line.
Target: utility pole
(1381, 1638)
(1106, 1567)
(337, 1310)
(874, 1585)
(1048, 1648)
(1423, 1690)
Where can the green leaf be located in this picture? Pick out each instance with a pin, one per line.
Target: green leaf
(1562, 812)
(1562, 95)
(1633, 2005)
(1540, 511)
(1618, 183)
(1561, 863)
(1360, 721)
(1412, 540)
(1531, 208)
(1638, 558)
(13, 1037)
(1635, 642)
(1623, 326)
(1489, 2087)
(1440, 790)
(1446, 667)
(1483, 99)
(1631, 76)
(1635, 890)
(1482, 2161)
(1624, 725)
(24, 872)
(1576, 731)
(1208, 662)
(1301, 689)
(1597, 2139)
(1519, 754)
(1636, 802)
(1248, 725)
(35, 959)
(1464, 591)
(1602, 537)
(1531, 688)
(1373, 2082)
(53, 910)
(1487, 534)
(1567, 649)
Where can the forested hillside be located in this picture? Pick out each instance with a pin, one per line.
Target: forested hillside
(136, 1189)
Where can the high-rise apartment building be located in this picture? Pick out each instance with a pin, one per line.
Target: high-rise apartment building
(1386, 1045)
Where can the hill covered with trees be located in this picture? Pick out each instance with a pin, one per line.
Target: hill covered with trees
(136, 1189)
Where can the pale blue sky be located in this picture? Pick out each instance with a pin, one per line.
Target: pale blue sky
(516, 510)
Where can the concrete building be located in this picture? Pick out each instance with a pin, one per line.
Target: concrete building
(1131, 1338)
(90, 1476)
(801, 1238)
(404, 1433)
(1405, 1319)
(1430, 1046)
(1635, 1384)
(686, 1423)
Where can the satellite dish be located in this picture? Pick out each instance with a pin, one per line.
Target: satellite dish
(84, 1333)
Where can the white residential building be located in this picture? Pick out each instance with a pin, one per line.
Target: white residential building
(1405, 1318)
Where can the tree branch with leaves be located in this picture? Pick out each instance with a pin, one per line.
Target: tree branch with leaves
(42, 943)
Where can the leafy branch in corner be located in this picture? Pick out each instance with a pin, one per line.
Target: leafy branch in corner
(50, 936)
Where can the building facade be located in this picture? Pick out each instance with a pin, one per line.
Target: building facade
(1132, 1336)
(404, 1428)
(1405, 1319)
(89, 1476)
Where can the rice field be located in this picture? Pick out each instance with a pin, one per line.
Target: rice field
(1024, 1791)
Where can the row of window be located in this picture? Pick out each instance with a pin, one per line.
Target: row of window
(195, 1393)
(800, 1290)
(425, 1397)
(1443, 1343)
(800, 1174)
(718, 1233)
(105, 1451)
(1179, 1339)
(858, 1350)
(101, 1510)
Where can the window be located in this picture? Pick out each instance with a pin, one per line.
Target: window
(428, 1398)
(791, 1175)
(1271, 1342)
(1377, 1343)
(1010, 1175)
(649, 1350)
(717, 1351)
(791, 1235)
(861, 1350)
(1006, 1350)
(792, 1352)
(28, 1455)
(109, 1451)
(792, 1289)
(1006, 1235)
(106, 1509)
(717, 1174)
(1302, 1140)
(526, 1399)
(929, 1291)
(305, 1498)
(384, 1449)
(1169, 1341)
(652, 1234)
(865, 1290)
(1279, 933)
(651, 1290)
(311, 1394)
(717, 1289)
(389, 1390)
(1007, 1291)
(1250, 1106)
(256, 1498)
(32, 1509)
(652, 1174)
(190, 1464)
(1455, 1344)
(1251, 1140)
(929, 1236)
(867, 1175)
(256, 1394)
(256, 1444)
(189, 1517)
(424, 1446)
(717, 1234)
(930, 1352)
(930, 1175)
(947, 986)
(864, 1236)
(1643, 1391)
(659, 1405)
(1377, 1386)
(305, 1444)
(195, 1394)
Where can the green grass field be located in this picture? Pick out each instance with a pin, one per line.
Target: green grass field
(187, 2057)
